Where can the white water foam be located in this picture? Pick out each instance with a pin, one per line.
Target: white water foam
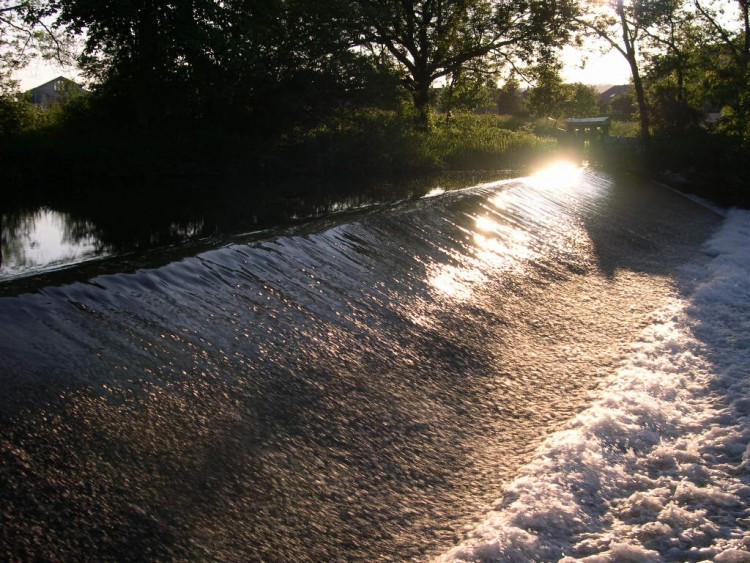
(658, 468)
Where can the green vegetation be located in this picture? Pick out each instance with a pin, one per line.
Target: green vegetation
(244, 89)
(471, 141)
(369, 142)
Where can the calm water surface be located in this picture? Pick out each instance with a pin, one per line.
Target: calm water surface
(33, 241)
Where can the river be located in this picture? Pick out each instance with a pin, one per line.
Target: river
(387, 384)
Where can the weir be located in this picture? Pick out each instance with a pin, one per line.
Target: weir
(352, 389)
(585, 136)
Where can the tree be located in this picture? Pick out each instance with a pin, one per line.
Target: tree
(553, 98)
(670, 47)
(547, 97)
(471, 88)
(673, 75)
(697, 59)
(431, 39)
(582, 100)
(620, 107)
(150, 54)
(729, 52)
(509, 100)
(24, 34)
(201, 59)
(622, 26)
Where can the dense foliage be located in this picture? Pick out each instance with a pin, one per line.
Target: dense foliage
(197, 86)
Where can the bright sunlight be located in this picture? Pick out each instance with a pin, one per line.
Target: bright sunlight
(558, 175)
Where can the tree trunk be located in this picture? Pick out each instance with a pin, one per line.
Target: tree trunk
(681, 94)
(422, 109)
(742, 105)
(146, 57)
(640, 97)
(421, 98)
(640, 94)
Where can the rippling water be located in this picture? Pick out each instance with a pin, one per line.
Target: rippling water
(356, 388)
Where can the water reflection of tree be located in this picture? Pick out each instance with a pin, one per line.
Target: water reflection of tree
(114, 219)
(15, 237)
(18, 228)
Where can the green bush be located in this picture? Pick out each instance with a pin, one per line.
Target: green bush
(624, 129)
(362, 141)
(469, 141)
(386, 142)
(18, 116)
(71, 143)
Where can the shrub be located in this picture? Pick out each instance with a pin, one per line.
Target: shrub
(620, 128)
(470, 141)
(18, 115)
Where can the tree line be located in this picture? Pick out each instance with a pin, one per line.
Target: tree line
(276, 64)
(160, 58)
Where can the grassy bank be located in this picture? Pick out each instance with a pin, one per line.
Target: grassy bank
(72, 152)
(710, 166)
(372, 143)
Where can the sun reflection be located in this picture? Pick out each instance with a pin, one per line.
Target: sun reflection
(509, 231)
(496, 247)
(434, 192)
(501, 200)
(486, 224)
(505, 250)
(455, 282)
(559, 175)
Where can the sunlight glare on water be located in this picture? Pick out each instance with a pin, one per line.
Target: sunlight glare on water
(500, 246)
(558, 175)
(455, 282)
(434, 192)
(356, 387)
(497, 246)
(486, 224)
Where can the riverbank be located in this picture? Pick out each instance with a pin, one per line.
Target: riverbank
(701, 164)
(361, 145)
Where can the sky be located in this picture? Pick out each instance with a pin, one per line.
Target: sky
(39, 72)
(581, 65)
(590, 66)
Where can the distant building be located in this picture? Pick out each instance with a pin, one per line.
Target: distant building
(55, 91)
(609, 95)
(617, 102)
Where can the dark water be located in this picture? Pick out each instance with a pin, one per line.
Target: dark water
(353, 388)
(43, 234)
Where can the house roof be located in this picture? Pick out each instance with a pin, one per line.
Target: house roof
(54, 80)
(587, 120)
(611, 93)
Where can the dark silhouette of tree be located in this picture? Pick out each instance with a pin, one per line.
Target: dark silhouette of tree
(149, 54)
(510, 100)
(202, 59)
(624, 26)
(553, 98)
(25, 34)
(431, 39)
(547, 97)
(728, 45)
(674, 71)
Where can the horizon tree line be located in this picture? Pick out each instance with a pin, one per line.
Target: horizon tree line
(262, 63)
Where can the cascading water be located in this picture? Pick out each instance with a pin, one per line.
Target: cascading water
(354, 389)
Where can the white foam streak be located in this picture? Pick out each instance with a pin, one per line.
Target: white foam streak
(658, 468)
